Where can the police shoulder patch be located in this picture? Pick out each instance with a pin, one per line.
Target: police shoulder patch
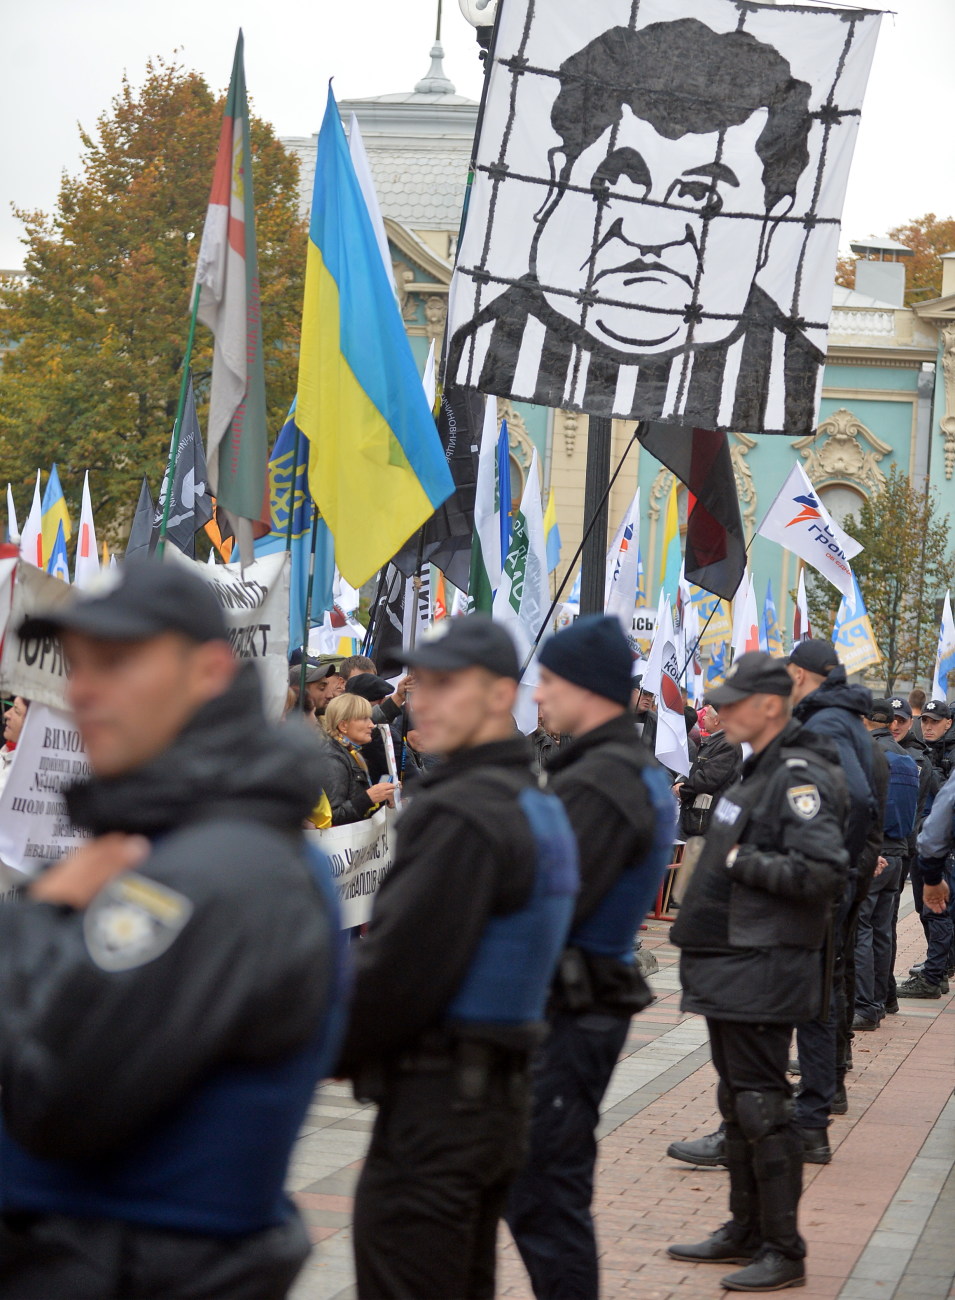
(133, 921)
(804, 800)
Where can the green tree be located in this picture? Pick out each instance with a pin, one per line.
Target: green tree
(97, 330)
(902, 573)
(928, 237)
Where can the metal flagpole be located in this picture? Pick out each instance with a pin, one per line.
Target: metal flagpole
(177, 426)
(291, 494)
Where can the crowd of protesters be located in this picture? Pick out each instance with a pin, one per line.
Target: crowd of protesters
(193, 946)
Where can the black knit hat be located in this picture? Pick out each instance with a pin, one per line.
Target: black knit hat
(593, 653)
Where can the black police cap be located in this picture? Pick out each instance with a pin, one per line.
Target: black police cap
(754, 673)
(139, 599)
(815, 655)
(475, 641)
(936, 709)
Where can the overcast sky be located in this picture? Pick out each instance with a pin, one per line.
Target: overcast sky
(63, 62)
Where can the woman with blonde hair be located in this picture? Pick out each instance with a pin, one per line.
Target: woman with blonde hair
(344, 772)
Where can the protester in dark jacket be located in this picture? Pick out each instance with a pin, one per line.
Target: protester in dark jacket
(751, 930)
(715, 768)
(164, 992)
(344, 772)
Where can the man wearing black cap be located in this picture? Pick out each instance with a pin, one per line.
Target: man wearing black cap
(452, 978)
(751, 928)
(936, 844)
(623, 814)
(903, 733)
(939, 739)
(167, 993)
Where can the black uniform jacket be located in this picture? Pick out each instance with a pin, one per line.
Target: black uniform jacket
(613, 820)
(716, 767)
(103, 1026)
(751, 932)
(464, 853)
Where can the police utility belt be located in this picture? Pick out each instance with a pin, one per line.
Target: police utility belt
(483, 1071)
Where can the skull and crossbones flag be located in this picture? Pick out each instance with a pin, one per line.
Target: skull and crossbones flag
(654, 221)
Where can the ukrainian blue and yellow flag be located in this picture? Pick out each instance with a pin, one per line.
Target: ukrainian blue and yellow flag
(377, 470)
(59, 565)
(54, 513)
(551, 533)
(288, 491)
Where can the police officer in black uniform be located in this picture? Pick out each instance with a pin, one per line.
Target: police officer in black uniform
(452, 978)
(166, 993)
(751, 928)
(619, 802)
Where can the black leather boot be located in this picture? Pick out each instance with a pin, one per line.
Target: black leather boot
(769, 1271)
(709, 1151)
(723, 1246)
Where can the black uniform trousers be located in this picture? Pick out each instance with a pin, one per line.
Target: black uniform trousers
(939, 929)
(548, 1211)
(764, 1151)
(434, 1186)
(874, 941)
(55, 1257)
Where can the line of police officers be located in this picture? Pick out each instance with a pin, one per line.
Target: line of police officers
(170, 996)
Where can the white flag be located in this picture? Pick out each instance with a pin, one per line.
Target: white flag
(486, 547)
(366, 183)
(802, 629)
(623, 558)
(31, 539)
(745, 619)
(523, 599)
(662, 677)
(945, 658)
(13, 530)
(799, 521)
(428, 381)
(87, 564)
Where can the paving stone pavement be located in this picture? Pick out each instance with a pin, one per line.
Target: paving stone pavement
(878, 1219)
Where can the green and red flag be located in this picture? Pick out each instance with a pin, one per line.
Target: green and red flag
(227, 277)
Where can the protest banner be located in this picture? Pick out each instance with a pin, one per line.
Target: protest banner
(35, 827)
(359, 855)
(255, 603)
(33, 667)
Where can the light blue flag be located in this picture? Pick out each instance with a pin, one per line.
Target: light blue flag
(281, 463)
(770, 636)
(59, 565)
(852, 633)
(504, 487)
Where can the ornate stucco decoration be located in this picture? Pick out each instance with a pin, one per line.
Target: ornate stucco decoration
(843, 450)
(659, 491)
(947, 421)
(570, 422)
(741, 444)
(519, 440)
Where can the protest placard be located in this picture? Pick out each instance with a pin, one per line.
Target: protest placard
(359, 855)
(35, 827)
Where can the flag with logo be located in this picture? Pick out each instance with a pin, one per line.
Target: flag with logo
(59, 565)
(289, 491)
(945, 656)
(227, 276)
(486, 544)
(771, 638)
(852, 633)
(716, 624)
(371, 432)
(190, 507)
(86, 565)
(745, 619)
(623, 562)
(662, 678)
(522, 599)
(799, 521)
(54, 513)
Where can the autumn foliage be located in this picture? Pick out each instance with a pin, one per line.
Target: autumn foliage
(97, 331)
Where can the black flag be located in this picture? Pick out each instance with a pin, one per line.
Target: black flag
(191, 506)
(141, 533)
(715, 557)
(446, 540)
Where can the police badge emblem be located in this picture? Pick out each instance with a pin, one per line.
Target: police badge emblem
(133, 921)
(804, 801)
